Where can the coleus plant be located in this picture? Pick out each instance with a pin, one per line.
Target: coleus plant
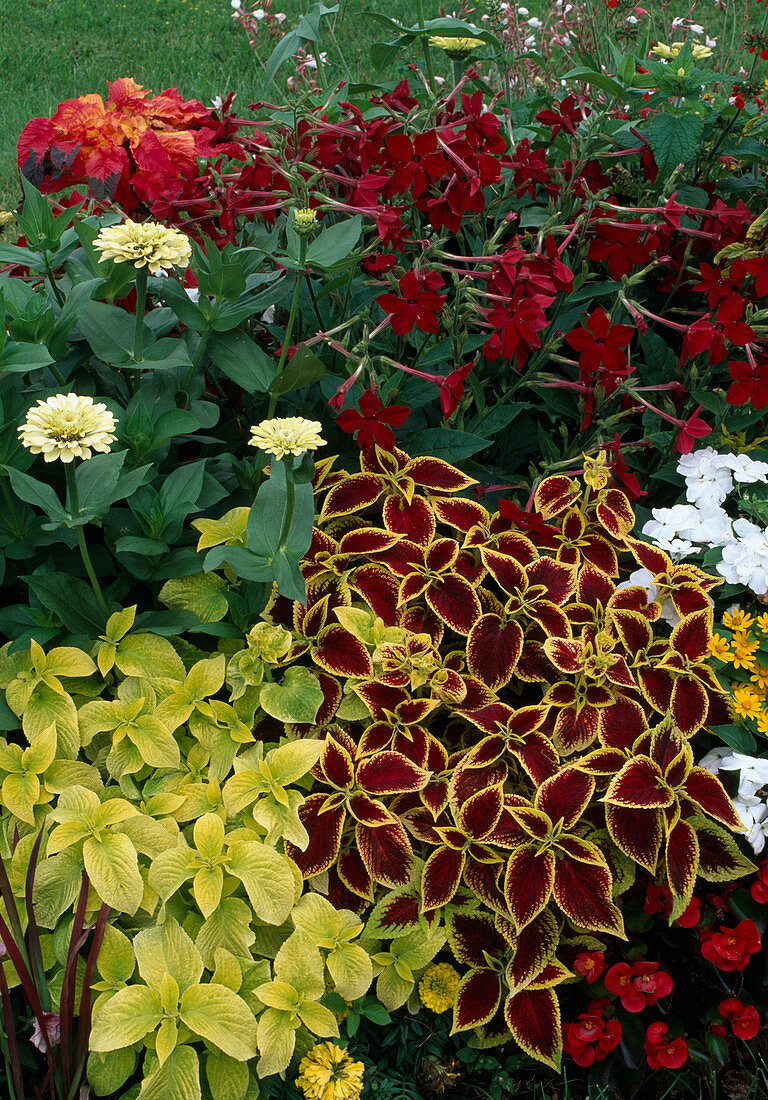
(505, 725)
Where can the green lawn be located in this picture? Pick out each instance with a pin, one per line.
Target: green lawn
(51, 50)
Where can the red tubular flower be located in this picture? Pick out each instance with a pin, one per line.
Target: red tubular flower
(689, 431)
(711, 335)
(452, 389)
(730, 948)
(590, 965)
(590, 1038)
(565, 115)
(621, 474)
(661, 1051)
(745, 1019)
(601, 349)
(419, 304)
(750, 384)
(379, 263)
(374, 422)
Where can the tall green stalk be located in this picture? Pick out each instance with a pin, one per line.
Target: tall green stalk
(90, 571)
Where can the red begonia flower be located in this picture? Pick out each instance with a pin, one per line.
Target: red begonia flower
(730, 948)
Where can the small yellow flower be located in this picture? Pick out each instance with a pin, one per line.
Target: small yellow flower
(287, 435)
(304, 221)
(762, 721)
(743, 657)
(669, 52)
(66, 426)
(720, 648)
(762, 622)
(745, 702)
(737, 619)
(149, 244)
(328, 1073)
(437, 987)
(456, 48)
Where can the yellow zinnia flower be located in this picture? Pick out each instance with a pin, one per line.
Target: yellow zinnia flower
(328, 1073)
(745, 702)
(737, 619)
(287, 435)
(6, 217)
(304, 221)
(437, 987)
(66, 426)
(156, 246)
(720, 648)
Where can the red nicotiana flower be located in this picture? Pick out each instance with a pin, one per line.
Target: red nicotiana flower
(623, 247)
(590, 965)
(714, 283)
(415, 163)
(711, 335)
(452, 389)
(516, 326)
(373, 423)
(749, 385)
(565, 115)
(661, 1051)
(590, 1038)
(639, 985)
(621, 473)
(419, 305)
(744, 1019)
(379, 263)
(601, 350)
(689, 431)
(730, 948)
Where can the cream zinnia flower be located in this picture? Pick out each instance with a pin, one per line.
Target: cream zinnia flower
(287, 435)
(159, 247)
(67, 426)
(328, 1073)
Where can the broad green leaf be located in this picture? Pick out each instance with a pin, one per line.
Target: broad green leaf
(57, 884)
(171, 869)
(113, 869)
(334, 243)
(47, 706)
(178, 1078)
(167, 949)
(206, 677)
(126, 1018)
(299, 963)
(107, 1072)
(303, 369)
(227, 1078)
(204, 594)
(116, 961)
(167, 1038)
(267, 878)
(242, 360)
(35, 492)
(392, 990)
(228, 970)
(155, 743)
(674, 138)
(228, 927)
(290, 762)
(149, 656)
(206, 887)
(350, 967)
(279, 995)
(42, 751)
(316, 916)
(68, 661)
(276, 1040)
(221, 1017)
(297, 699)
(20, 794)
(208, 835)
(319, 1020)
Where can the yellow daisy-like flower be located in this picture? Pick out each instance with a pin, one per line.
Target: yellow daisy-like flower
(737, 619)
(762, 721)
(760, 676)
(67, 427)
(437, 987)
(456, 48)
(719, 647)
(328, 1073)
(762, 622)
(745, 702)
(287, 435)
(673, 50)
(148, 244)
(743, 656)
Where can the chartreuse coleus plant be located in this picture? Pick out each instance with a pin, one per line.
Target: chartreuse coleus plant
(141, 773)
(505, 727)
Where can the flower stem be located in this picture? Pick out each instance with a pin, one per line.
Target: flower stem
(141, 302)
(91, 572)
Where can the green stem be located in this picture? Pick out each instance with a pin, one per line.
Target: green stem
(75, 503)
(15, 522)
(141, 302)
(54, 285)
(427, 51)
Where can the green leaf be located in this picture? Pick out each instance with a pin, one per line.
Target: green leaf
(19, 358)
(167, 949)
(204, 594)
(267, 878)
(674, 138)
(221, 1017)
(127, 1017)
(285, 48)
(334, 244)
(303, 369)
(113, 869)
(178, 1078)
(736, 737)
(277, 1039)
(107, 1072)
(242, 360)
(32, 491)
(297, 699)
(227, 1078)
(446, 443)
(96, 480)
(109, 331)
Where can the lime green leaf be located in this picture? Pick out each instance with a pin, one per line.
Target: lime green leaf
(280, 995)
(41, 752)
(392, 990)
(107, 1072)
(119, 624)
(318, 918)
(228, 971)
(228, 927)
(126, 1018)
(167, 949)
(149, 656)
(276, 1039)
(154, 742)
(47, 706)
(178, 1078)
(57, 884)
(221, 1017)
(319, 1020)
(115, 962)
(204, 594)
(68, 661)
(20, 794)
(229, 529)
(227, 1078)
(208, 834)
(299, 963)
(113, 869)
(350, 967)
(290, 762)
(171, 869)
(297, 699)
(267, 878)
(206, 887)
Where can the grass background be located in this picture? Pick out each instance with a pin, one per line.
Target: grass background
(52, 50)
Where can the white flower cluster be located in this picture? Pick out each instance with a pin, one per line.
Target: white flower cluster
(702, 523)
(749, 803)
